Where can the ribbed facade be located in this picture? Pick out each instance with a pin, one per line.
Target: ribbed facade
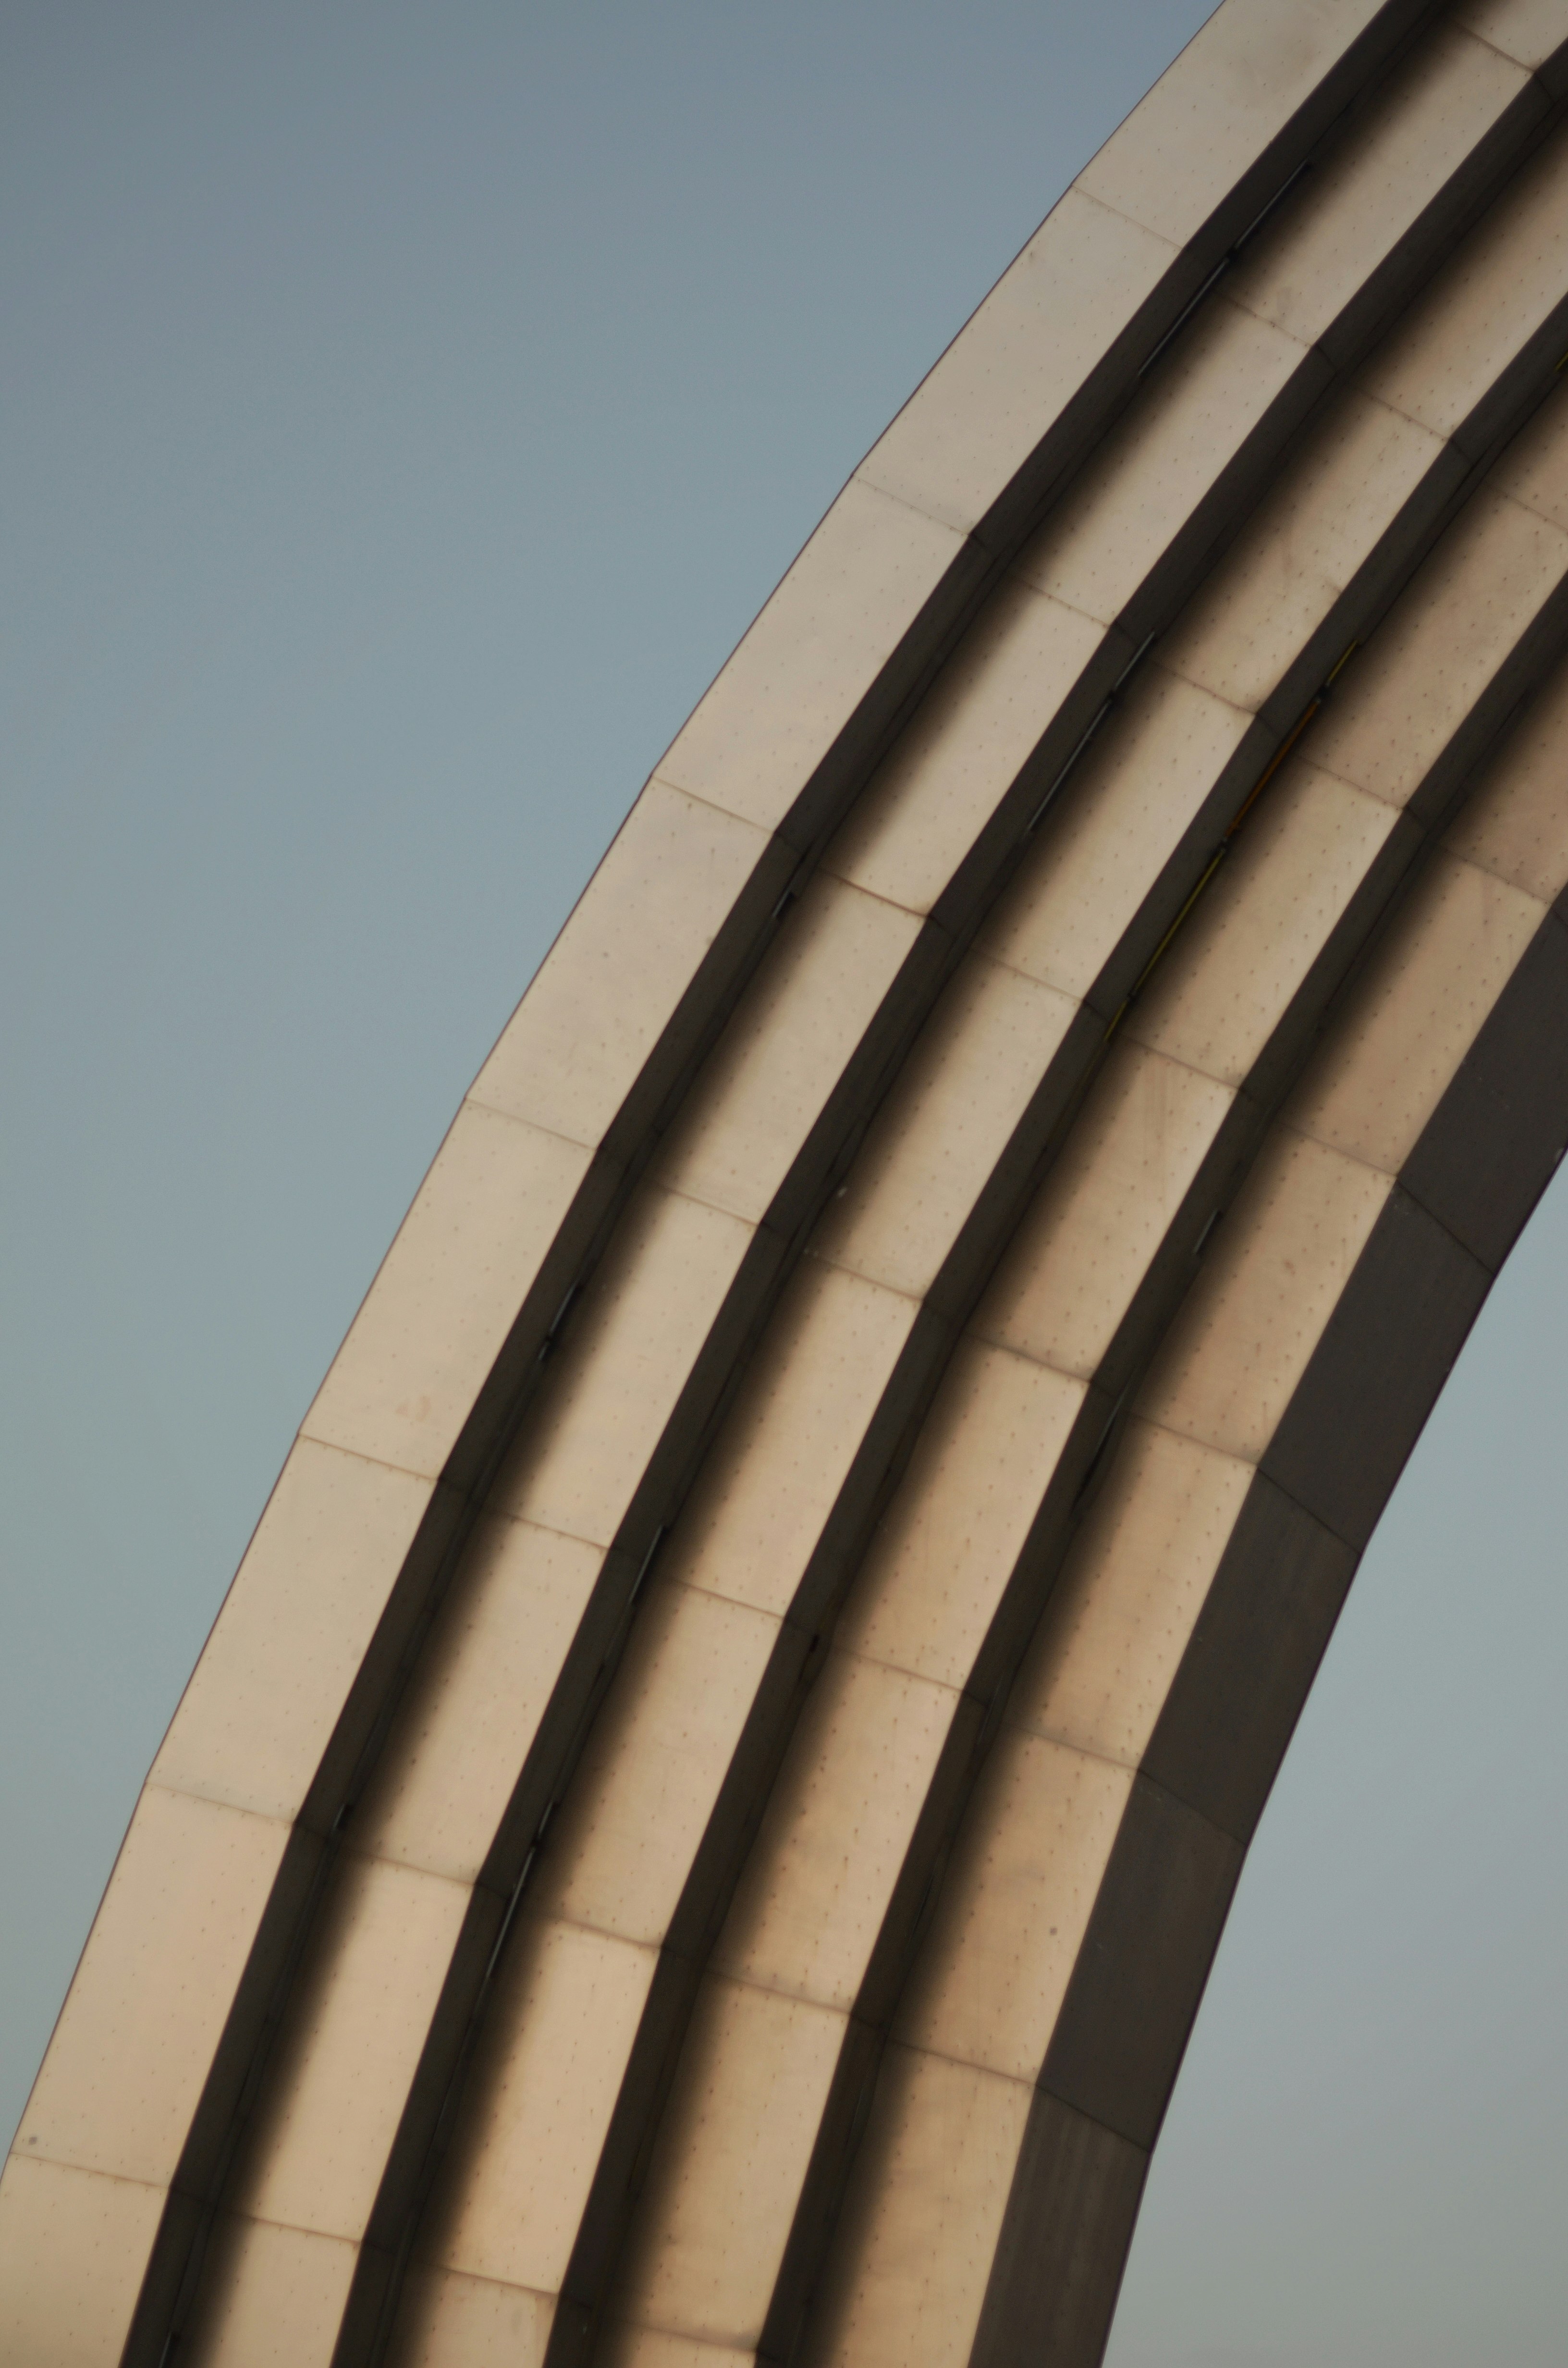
(700, 1829)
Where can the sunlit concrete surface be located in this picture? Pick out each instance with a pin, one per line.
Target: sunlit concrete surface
(701, 1827)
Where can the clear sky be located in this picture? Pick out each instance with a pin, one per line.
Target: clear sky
(406, 406)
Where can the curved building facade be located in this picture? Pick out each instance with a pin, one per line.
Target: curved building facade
(700, 1831)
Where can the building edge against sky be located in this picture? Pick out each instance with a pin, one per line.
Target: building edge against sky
(706, 1814)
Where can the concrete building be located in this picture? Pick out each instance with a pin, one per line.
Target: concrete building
(700, 1829)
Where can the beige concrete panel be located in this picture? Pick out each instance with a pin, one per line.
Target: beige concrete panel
(1149, 474)
(1122, 1612)
(475, 1698)
(1355, 205)
(623, 1843)
(1014, 1905)
(73, 2250)
(1405, 696)
(430, 1327)
(944, 1126)
(1503, 281)
(1101, 850)
(1228, 979)
(917, 818)
(537, 2105)
(356, 2021)
(803, 667)
(624, 2346)
(946, 1548)
(833, 1834)
(769, 1482)
(1516, 823)
(1528, 31)
(621, 1366)
(612, 982)
(271, 2298)
(923, 2215)
(1534, 469)
(449, 2321)
(1283, 574)
(1079, 1255)
(784, 1048)
(1012, 370)
(260, 1709)
(1234, 87)
(731, 2156)
(137, 2032)
(1380, 1075)
(1271, 1281)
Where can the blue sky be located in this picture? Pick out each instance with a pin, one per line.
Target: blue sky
(406, 408)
